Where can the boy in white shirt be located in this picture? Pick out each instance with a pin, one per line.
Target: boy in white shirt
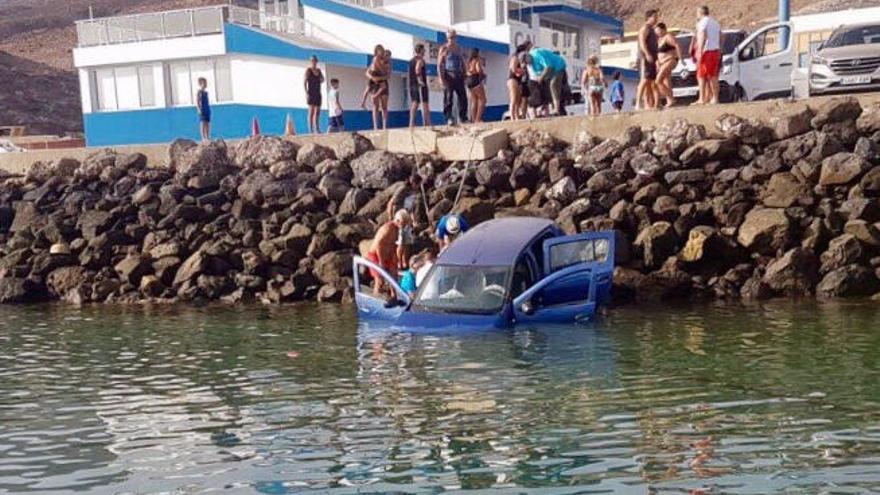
(334, 108)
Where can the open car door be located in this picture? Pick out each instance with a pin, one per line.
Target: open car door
(578, 272)
(370, 304)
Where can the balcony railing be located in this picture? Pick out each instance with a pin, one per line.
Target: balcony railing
(177, 24)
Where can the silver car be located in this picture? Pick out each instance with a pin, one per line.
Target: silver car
(848, 61)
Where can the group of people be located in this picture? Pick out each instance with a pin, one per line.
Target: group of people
(392, 246)
(537, 78)
(659, 54)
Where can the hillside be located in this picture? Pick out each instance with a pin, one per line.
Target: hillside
(37, 38)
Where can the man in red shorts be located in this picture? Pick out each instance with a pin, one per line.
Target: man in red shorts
(708, 56)
(383, 250)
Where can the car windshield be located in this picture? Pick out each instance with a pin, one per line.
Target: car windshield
(860, 35)
(464, 289)
(729, 42)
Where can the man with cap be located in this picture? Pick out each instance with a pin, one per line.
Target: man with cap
(383, 250)
(449, 228)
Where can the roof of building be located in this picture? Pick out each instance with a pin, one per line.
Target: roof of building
(494, 243)
(425, 30)
(564, 12)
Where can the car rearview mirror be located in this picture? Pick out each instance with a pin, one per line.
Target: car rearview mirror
(748, 53)
(527, 308)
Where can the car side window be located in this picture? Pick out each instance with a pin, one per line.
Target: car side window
(538, 250)
(522, 278)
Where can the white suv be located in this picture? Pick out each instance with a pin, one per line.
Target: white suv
(848, 61)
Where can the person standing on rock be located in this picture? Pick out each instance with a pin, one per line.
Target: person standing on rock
(313, 80)
(418, 88)
(646, 94)
(204, 108)
(707, 56)
(450, 68)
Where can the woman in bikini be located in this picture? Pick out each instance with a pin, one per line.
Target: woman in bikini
(377, 85)
(514, 84)
(668, 55)
(593, 85)
(475, 82)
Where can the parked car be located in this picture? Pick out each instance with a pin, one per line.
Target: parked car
(848, 61)
(761, 66)
(500, 273)
(684, 76)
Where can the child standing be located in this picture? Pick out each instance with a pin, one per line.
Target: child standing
(335, 108)
(593, 85)
(204, 109)
(616, 91)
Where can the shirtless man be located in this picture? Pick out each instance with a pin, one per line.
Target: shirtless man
(383, 250)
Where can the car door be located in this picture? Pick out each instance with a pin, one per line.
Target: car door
(766, 62)
(578, 272)
(371, 305)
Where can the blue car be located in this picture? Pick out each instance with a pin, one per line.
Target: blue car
(500, 273)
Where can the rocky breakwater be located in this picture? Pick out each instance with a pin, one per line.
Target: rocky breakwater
(787, 207)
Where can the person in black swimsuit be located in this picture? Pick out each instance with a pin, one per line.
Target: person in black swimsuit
(647, 96)
(314, 78)
(668, 55)
(515, 73)
(418, 88)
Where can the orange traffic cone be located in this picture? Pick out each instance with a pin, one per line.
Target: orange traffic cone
(288, 127)
(255, 127)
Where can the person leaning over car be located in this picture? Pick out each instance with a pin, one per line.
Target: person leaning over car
(449, 228)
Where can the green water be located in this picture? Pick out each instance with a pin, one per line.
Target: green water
(780, 398)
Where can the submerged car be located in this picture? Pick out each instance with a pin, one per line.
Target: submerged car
(501, 273)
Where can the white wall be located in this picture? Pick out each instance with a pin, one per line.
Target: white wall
(433, 11)
(269, 81)
(148, 51)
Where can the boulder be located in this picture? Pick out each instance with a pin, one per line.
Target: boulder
(132, 268)
(475, 210)
(842, 250)
(332, 267)
(524, 176)
(206, 160)
(868, 122)
(868, 149)
(19, 290)
(191, 268)
(709, 150)
(657, 242)
(848, 281)
(63, 280)
(311, 154)
(749, 131)
(646, 165)
(795, 273)
(785, 190)
(351, 145)
(842, 168)
(764, 230)
(863, 231)
(263, 151)
(838, 109)
(870, 183)
(564, 191)
(493, 174)
(790, 123)
(378, 170)
(685, 176)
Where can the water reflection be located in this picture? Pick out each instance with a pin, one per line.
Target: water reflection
(755, 399)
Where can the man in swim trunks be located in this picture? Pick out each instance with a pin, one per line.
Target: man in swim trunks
(646, 95)
(383, 250)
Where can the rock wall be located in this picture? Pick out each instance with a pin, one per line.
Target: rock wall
(790, 207)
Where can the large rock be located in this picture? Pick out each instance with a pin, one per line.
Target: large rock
(657, 242)
(351, 145)
(132, 268)
(784, 190)
(207, 160)
(564, 191)
(263, 151)
(378, 170)
(671, 139)
(842, 250)
(493, 174)
(790, 123)
(837, 109)
(475, 210)
(311, 154)
(842, 168)
(764, 230)
(709, 150)
(19, 290)
(795, 273)
(63, 280)
(332, 267)
(749, 131)
(191, 268)
(848, 281)
(869, 121)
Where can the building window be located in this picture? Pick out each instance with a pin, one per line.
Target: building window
(500, 12)
(105, 89)
(127, 92)
(467, 11)
(568, 44)
(183, 77)
(147, 86)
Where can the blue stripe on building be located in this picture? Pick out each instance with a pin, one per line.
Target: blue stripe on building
(240, 39)
(608, 22)
(228, 121)
(423, 32)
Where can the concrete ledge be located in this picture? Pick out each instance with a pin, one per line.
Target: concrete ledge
(481, 146)
(412, 141)
(488, 139)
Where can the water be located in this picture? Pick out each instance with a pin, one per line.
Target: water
(692, 399)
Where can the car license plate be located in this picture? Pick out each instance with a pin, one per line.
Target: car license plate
(860, 79)
(681, 92)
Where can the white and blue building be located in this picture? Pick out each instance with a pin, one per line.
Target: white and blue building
(138, 73)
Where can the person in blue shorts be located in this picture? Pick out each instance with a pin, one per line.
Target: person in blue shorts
(204, 109)
(449, 228)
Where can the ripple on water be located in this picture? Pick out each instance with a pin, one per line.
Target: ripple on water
(778, 398)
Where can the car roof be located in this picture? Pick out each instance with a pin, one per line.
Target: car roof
(497, 242)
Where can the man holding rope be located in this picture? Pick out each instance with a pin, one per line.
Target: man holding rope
(418, 88)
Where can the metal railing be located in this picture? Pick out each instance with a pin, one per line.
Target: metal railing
(178, 24)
